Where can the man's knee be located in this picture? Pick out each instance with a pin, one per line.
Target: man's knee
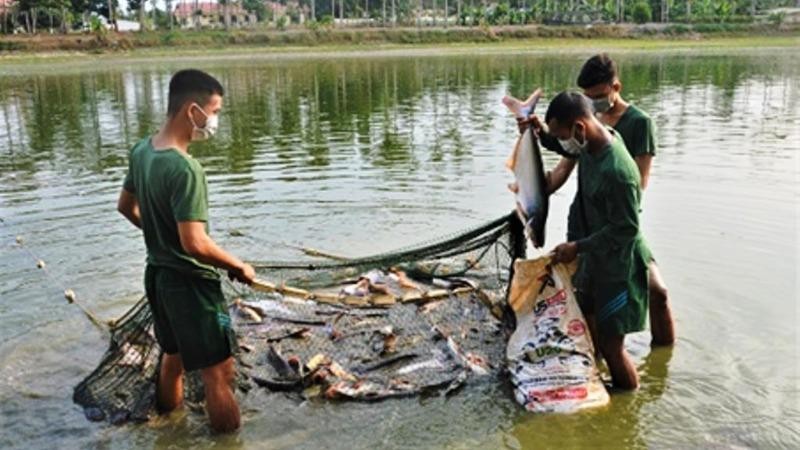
(220, 373)
(172, 365)
(611, 346)
(659, 296)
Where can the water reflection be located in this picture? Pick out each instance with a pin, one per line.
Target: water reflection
(390, 113)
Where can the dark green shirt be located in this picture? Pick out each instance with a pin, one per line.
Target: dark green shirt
(611, 245)
(170, 187)
(638, 131)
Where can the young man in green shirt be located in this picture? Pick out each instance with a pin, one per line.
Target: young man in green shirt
(165, 194)
(612, 275)
(599, 79)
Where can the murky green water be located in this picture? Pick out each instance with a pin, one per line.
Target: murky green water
(362, 155)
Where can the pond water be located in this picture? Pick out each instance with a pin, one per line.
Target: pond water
(359, 155)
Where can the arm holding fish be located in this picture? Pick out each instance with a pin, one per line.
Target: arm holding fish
(547, 140)
(557, 176)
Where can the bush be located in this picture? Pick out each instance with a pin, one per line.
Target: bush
(642, 12)
(312, 25)
(677, 29)
(169, 38)
(282, 22)
(777, 18)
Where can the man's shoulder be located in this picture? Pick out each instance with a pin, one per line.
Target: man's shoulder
(639, 116)
(620, 166)
(139, 146)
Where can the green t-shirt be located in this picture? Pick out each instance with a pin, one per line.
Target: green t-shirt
(611, 245)
(638, 131)
(170, 187)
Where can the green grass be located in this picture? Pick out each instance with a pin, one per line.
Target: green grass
(276, 45)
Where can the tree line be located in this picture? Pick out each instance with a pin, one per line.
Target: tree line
(32, 16)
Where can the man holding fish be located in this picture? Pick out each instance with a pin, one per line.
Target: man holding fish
(634, 130)
(599, 79)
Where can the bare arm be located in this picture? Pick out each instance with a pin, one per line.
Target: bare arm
(198, 244)
(644, 162)
(560, 173)
(128, 206)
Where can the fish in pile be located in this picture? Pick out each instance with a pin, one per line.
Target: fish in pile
(340, 352)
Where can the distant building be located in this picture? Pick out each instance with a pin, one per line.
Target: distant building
(127, 25)
(6, 6)
(291, 8)
(190, 14)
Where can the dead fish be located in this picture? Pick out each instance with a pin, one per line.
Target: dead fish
(430, 306)
(295, 333)
(384, 340)
(385, 362)
(531, 189)
(456, 384)
(277, 384)
(432, 363)
(368, 391)
(281, 365)
(245, 311)
(454, 283)
(474, 363)
(520, 109)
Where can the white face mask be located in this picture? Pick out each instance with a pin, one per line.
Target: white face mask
(208, 130)
(572, 146)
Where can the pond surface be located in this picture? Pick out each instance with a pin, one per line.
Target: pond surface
(362, 155)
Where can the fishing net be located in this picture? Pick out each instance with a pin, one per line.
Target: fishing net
(424, 319)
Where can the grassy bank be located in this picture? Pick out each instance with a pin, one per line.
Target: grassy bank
(365, 37)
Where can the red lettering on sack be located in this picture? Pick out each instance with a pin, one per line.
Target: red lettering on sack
(576, 328)
(560, 297)
(558, 394)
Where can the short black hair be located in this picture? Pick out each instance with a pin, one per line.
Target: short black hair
(567, 106)
(191, 85)
(596, 70)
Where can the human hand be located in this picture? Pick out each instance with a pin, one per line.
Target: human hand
(525, 123)
(565, 253)
(243, 274)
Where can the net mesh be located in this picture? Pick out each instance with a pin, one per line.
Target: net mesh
(426, 318)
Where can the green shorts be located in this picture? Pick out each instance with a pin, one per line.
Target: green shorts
(617, 310)
(190, 317)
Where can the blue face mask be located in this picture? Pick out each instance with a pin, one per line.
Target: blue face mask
(602, 105)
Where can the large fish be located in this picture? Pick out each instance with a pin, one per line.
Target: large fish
(530, 187)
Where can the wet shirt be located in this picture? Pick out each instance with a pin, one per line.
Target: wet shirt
(611, 247)
(170, 187)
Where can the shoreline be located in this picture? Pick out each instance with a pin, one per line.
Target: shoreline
(325, 40)
(710, 45)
